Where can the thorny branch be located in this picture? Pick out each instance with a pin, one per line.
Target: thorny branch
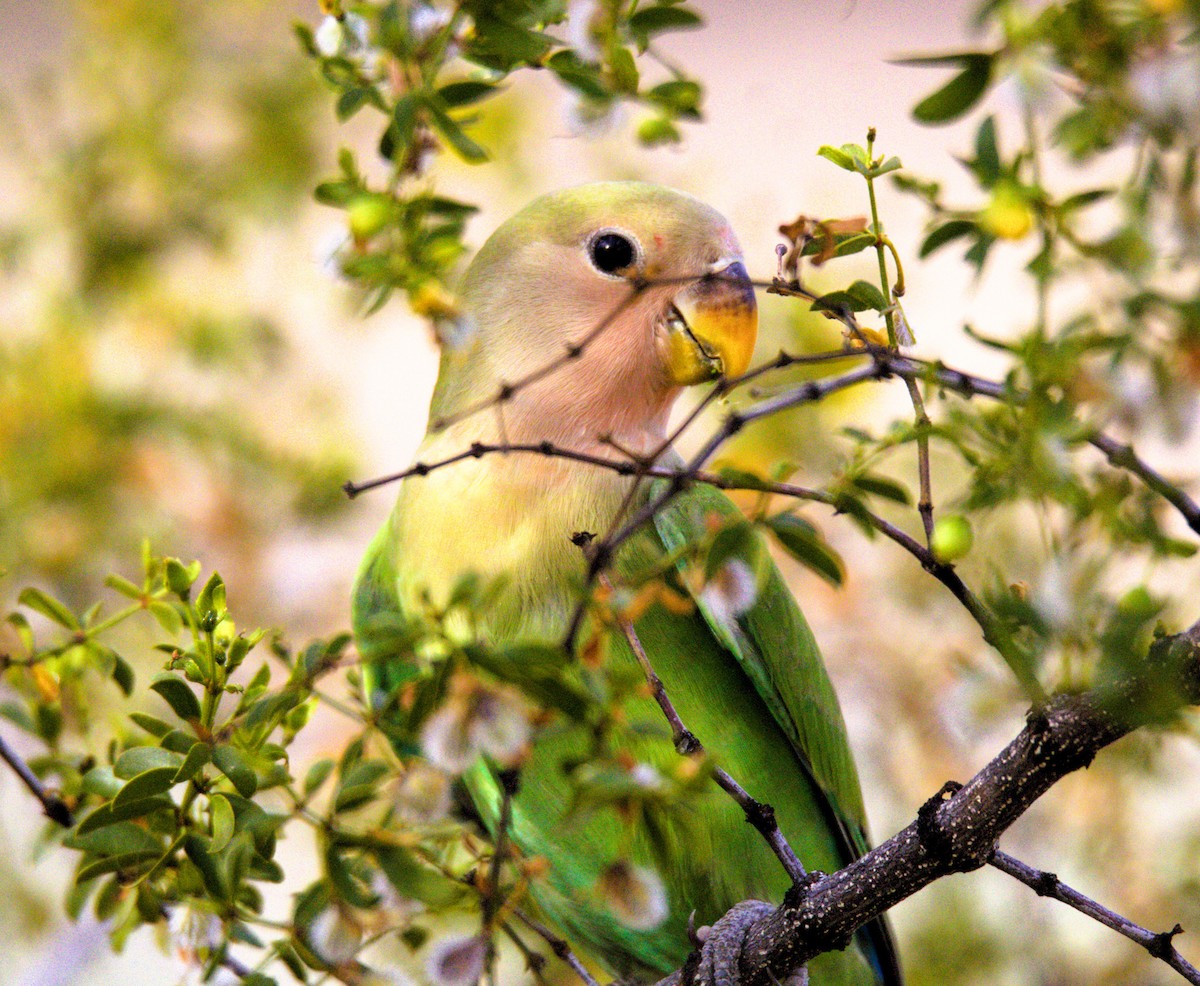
(957, 829)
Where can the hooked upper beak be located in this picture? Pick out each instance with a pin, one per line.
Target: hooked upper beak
(712, 327)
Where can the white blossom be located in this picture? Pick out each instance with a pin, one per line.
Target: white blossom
(635, 895)
(731, 590)
(456, 961)
(329, 37)
(334, 936)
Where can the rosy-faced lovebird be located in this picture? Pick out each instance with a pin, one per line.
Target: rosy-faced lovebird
(654, 282)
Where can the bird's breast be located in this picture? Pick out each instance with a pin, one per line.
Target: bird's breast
(508, 518)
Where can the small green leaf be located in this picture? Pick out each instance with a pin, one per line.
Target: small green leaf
(883, 486)
(48, 606)
(681, 96)
(987, 153)
(196, 758)
(138, 759)
(122, 674)
(416, 881)
(156, 780)
(155, 727)
(741, 479)
(223, 822)
(108, 815)
(212, 597)
(317, 774)
(352, 100)
(804, 542)
(123, 586)
(129, 864)
(840, 158)
(115, 839)
(656, 20)
(167, 616)
(946, 233)
(845, 244)
(179, 579)
(102, 782)
(886, 167)
(958, 95)
(233, 764)
(463, 145)
(465, 93)
(177, 694)
(867, 295)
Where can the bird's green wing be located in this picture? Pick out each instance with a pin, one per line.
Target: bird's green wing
(776, 650)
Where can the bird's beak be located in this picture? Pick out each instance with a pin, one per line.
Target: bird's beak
(712, 327)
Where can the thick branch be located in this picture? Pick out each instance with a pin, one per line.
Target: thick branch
(55, 808)
(956, 831)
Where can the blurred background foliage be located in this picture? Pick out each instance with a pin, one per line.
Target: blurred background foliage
(175, 363)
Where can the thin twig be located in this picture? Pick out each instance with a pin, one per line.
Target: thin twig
(53, 806)
(559, 947)
(758, 813)
(1161, 945)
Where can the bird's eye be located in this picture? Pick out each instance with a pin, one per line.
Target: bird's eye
(611, 252)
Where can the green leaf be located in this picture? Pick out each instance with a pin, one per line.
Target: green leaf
(465, 93)
(196, 758)
(581, 76)
(648, 22)
(352, 100)
(882, 486)
(212, 597)
(122, 674)
(317, 774)
(946, 233)
(115, 839)
(102, 782)
(156, 780)
(123, 586)
(167, 616)
(987, 153)
(155, 727)
(624, 71)
(867, 295)
(130, 864)
(958, 95)
(845, 244)
(196, 847)
(178, 695)
(840, 158)
(138, 759)
(804, 542)
(840, 302)
(681, 96)
(48, 606)
(108, 815)
(886, 167)
(463, 145)
(223, 822)
(416, 881)
(233, 764)
(742, 479)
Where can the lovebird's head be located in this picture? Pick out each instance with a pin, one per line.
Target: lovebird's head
(646, 285)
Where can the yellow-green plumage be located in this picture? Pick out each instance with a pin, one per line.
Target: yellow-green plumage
(751, 687)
